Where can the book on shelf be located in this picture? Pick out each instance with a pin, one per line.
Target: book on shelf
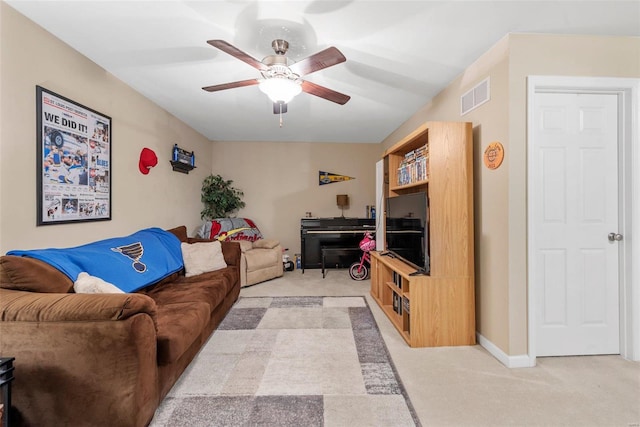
(397, 280)
(397, 303)
(414, 166)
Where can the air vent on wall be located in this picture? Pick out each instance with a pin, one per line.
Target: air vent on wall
(475, 97)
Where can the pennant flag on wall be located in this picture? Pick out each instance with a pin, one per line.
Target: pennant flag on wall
(330, 178)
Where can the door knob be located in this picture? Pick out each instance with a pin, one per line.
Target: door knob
(615, 237)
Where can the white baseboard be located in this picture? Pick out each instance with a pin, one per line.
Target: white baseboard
(518, 361)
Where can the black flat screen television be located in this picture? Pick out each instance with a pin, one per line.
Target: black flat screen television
(407, 229)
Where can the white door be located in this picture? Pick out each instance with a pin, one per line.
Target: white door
(575, 197)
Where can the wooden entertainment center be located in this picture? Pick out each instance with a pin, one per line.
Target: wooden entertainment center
(437, 309)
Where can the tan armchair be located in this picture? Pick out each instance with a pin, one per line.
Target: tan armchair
(260, 261)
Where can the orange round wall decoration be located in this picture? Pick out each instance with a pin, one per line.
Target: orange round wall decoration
(493, 155)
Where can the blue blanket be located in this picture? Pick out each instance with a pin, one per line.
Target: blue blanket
(130, 262)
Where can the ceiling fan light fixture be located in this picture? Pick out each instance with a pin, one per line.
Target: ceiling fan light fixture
(280, 89)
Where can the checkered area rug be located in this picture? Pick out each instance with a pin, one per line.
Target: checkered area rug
(291, 361)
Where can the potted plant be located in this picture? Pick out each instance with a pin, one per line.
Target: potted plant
(220, 198)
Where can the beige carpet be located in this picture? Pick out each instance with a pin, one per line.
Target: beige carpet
(466, 386)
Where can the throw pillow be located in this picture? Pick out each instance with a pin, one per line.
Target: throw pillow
(87, 284)
(202, 257)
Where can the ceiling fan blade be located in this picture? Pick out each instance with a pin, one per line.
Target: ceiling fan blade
(279, 107)
(326, 93)
(223, 86)
(323, 59)
(237, 53)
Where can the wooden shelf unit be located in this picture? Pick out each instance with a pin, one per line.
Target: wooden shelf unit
(400, 188)
(442, 304)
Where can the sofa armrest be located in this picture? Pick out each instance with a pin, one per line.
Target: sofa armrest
(266, 244)
(23, 306)
(245, 245)
(83, 359)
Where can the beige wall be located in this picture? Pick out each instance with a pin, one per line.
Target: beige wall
(557, 55)
(30, 56)
(500, 195)
(280, 182)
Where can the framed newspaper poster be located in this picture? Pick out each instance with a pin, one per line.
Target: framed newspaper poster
(73, 161)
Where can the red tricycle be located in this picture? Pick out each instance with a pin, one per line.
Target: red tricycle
(359, 269)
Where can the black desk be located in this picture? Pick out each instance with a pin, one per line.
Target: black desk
(316, 233)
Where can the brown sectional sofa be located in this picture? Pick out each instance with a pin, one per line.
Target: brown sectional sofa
(104, 359)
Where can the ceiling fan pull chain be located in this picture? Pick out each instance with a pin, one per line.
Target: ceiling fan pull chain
(280, 115)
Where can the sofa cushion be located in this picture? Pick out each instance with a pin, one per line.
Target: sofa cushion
(174, 293)
(223, 279)
(202, 257)
(30, 274)
(170, 278)
(179, 326)
(210, 288)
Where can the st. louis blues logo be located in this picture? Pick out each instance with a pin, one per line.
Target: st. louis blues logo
(134, 252)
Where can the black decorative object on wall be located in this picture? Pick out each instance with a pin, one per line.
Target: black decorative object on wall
(182, 160)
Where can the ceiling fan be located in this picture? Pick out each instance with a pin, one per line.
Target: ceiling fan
(281, 76)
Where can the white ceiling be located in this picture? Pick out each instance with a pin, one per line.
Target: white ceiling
(400, 54)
